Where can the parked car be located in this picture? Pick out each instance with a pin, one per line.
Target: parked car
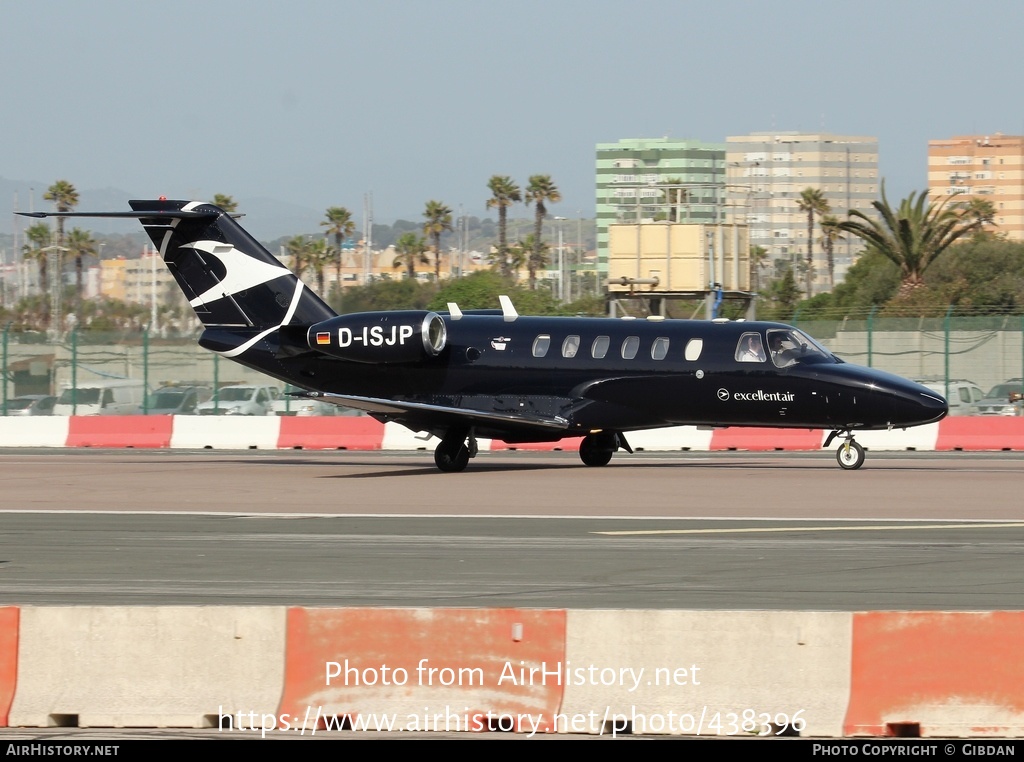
(242, 399)
(178, 400)
(962, 394)
(30, 404)
(1006, 398)
(120, 397)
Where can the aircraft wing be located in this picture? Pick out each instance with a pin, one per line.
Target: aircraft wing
(399, 409)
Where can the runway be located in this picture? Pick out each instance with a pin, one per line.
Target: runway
(688, 531)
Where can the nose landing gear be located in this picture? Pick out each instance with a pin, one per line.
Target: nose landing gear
(850, 455)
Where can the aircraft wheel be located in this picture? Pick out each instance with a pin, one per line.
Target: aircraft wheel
(594, 452)
(850, 455)
(451, 459)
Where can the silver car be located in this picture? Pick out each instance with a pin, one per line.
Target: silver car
(30, 404)
(1003, 399)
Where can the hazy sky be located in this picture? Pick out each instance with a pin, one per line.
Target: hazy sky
(317, 102)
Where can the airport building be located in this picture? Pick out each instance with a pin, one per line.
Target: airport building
(765, 175)
(988, 167)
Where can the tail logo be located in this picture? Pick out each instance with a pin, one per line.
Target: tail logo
(242, 272)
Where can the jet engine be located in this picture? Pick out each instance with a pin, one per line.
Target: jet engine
(380, 337)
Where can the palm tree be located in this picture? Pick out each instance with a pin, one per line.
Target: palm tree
(340, 224)
(539, 192)
(296, 248)
(536, 258)
(912, 236)
(410, 249)
(981, 209)
(227, 203)
(318, 255)
(758, 259)
(65, 198)
(830, 233)
(812, 201)
(674, 196)
(80, 245)
(439, 220)
(38, 237)
(504, 193)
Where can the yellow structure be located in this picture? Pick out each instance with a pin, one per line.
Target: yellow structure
(664, 257)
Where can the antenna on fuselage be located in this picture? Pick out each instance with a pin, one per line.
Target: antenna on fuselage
(454, 311)
(507, 309)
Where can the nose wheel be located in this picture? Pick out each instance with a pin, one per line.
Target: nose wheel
(850, 455)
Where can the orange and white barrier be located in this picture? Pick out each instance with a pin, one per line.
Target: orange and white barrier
(271, 669)
(969, 433)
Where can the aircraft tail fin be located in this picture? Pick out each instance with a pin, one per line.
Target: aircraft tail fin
(229, 278)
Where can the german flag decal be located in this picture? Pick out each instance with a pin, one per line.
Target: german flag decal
(323, 337)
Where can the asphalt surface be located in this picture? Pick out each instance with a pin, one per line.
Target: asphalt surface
(690, 530)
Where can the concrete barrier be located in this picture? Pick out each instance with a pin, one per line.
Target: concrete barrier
(422, 669)
(761, 439)
(8, 660)
(144, 431)
(671, 439)
(708, 672)
(34, 431)
(974, 433)
(981, 433)
(937, 674)
(215, 432)
(330, 433)
(174, 666)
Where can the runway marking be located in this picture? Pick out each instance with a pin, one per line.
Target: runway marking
(869, 528)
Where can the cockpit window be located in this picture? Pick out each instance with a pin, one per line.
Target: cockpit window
(749, 348)
(789, 347)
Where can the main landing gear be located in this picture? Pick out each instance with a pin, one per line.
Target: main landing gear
(850, 455)
(453, 453)
(597, 449)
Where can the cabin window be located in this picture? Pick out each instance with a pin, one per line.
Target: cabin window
(570, 346)
(630, 347)
(600, 347)
(693, 349)
(659, 348)
(750, 349)
(541, 345)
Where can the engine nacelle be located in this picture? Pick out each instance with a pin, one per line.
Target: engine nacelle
(381, 337)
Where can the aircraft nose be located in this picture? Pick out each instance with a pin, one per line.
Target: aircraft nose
(924, 405)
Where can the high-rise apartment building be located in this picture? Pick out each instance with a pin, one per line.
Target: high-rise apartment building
(989, 167)
(647, 179)
(767, 171)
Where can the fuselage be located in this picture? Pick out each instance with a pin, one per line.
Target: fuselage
(621, 374)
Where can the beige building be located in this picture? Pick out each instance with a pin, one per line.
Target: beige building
(136, 280)
(989, 167)
(765, 175)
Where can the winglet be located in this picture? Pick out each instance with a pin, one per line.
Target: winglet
(507, 309)
(454, 311)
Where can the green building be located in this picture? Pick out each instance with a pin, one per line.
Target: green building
(649, 179)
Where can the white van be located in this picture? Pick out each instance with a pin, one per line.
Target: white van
(123, 397)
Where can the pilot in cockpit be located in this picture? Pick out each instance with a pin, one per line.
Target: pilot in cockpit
(781, 356)
(750, 349)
